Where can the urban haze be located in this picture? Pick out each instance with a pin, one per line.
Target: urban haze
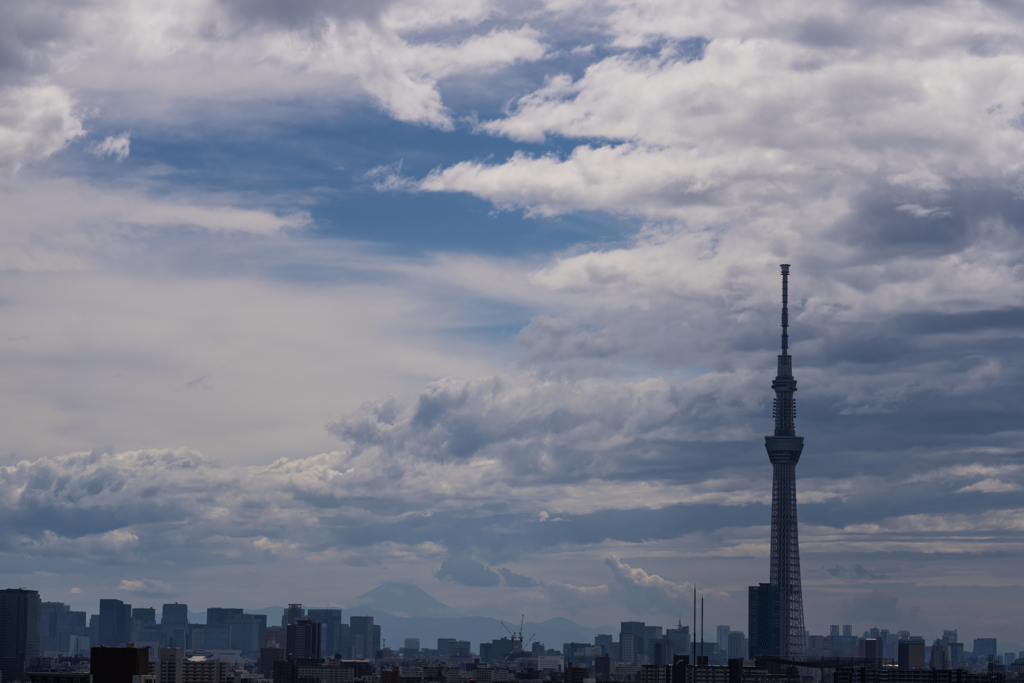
(419, 320)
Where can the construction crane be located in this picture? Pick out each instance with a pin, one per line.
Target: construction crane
(518, 645)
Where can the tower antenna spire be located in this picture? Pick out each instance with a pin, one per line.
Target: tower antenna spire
(784, 449)
(785, 309)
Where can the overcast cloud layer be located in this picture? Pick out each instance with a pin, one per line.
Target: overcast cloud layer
(298, 297)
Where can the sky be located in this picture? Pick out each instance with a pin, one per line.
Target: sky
(299, 297)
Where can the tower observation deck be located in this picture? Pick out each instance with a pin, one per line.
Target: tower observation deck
(784, 448)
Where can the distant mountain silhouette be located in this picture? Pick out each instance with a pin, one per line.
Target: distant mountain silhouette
(402, 600)
(404, 610)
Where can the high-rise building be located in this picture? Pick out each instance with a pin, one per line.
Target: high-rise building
(173, 625)
(956, 655)
(737, 645)
(58, 624)
(678, 639)
(169, 665)
(20, 612)
(940, 655)
(115, 623)
(362, 637)
(292, 614)
(331, 637)
(221, 615)
(784, 448)
(911, 653)
(174, 613)
(949, 636)
(637, 628)
(984, 647)
(303, 639)
(651, 634)
(871, 649)
(763, 620)
(604, 641)
(723, 637)
(627, 647)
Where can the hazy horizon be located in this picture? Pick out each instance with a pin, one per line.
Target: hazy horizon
(299, 298)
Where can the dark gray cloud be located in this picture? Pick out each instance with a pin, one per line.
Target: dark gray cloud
(516, 580)
(468, 572)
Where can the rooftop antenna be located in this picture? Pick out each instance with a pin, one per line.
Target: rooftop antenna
(702, 629)
(695, 621)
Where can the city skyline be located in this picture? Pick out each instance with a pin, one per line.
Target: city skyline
(302, 298)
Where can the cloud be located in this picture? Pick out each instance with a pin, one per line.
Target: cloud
(642, 592)
(876, 607)
(266, 50)
(467, 572)
(857, 573)
(118, 147)
(35, 122)
(990, 486)
(146, 587)
(516, 580)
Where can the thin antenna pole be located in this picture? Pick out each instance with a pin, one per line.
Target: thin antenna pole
(785, 309)
(695, 622)
(702, 629)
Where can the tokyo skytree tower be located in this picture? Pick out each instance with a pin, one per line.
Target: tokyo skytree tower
(784, 448)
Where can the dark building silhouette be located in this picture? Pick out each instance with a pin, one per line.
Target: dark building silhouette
(330, 643)
(174, 613)
(269, 655)
(221, 615)
(784, 448)
(639, 630)
(118, 664)
(57, 623)
(763, 621)
(984, 647)
(365, 639)
(173, 625)
(294, 612)
(115, 623)
(303, 639)
(910, 653)
(574, 674)
(20, 611)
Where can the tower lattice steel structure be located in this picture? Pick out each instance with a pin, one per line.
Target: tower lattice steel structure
(784, 448)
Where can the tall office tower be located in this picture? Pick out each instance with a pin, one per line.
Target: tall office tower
(723, 638)
(115, 623)
(20, 612)
(784, 448)
(627, 645)
(303, 639)
(983, 647)
(361, 635)
(293, 613)
(173, 624)
(330, 641)
(637, 628)
(174, 613)
(911, 653)
(737, 646)
(949, 637)
(763, 620)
